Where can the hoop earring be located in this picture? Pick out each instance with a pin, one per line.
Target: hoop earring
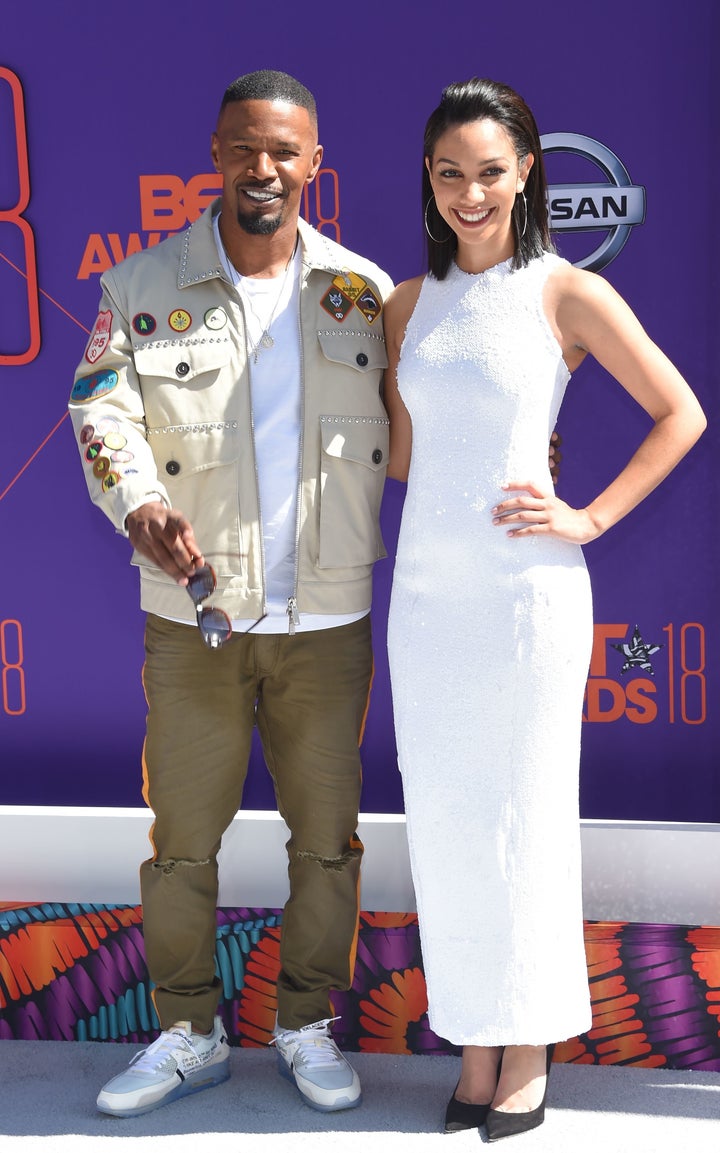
(427, 226)
(521, 234)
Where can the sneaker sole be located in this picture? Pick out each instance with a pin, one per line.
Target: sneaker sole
(215, 1076)
(341, 1103)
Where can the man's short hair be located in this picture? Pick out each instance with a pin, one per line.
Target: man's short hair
(270, 85)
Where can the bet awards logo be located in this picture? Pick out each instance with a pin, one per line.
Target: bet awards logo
(612, 208)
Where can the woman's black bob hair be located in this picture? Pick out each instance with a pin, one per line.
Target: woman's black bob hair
(478, 99)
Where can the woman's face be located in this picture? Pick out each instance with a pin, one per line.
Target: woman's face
(475, 177)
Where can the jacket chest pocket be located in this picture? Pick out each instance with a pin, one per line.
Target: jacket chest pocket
(362, 351)
(176, 379)
(354, 455)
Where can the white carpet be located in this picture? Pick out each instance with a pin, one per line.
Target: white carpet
(48, 1090)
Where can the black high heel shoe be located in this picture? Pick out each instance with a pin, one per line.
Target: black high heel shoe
(499, 1124)
(461, 1115)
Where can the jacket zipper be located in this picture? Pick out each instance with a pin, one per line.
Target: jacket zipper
(292, 606)
(263, 607)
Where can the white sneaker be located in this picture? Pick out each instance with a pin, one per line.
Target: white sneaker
(310, 1058)
(178, 1063)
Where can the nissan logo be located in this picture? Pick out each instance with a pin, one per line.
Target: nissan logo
(614, 208)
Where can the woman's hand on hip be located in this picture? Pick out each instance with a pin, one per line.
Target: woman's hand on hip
(531, 512)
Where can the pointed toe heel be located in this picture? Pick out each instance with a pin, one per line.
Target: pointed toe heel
(499, 1124)
(461, 1115)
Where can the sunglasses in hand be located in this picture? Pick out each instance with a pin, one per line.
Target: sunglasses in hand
(215, 625)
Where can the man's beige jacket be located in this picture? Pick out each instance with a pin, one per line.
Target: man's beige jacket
(161, 408)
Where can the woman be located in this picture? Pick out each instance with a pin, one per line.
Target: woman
(490, 623)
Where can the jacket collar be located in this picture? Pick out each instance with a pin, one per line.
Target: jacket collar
(199, 256)
(318, 251)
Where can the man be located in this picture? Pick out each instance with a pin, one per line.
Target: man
(228, 413)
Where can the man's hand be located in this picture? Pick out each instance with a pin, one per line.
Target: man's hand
(555, 456)
(165, 537)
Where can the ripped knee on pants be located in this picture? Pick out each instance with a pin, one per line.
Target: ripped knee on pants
(330, 864)
(169, 866)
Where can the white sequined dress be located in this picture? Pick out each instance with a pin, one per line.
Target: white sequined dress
(489, 643)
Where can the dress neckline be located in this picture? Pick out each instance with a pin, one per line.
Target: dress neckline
(498, 269)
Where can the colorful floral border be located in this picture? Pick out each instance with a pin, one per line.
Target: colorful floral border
(77, 972)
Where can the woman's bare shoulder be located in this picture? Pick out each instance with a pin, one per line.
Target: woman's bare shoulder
(399, 308)
(403, 298)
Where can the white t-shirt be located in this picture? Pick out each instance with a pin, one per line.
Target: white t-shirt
(272, 307)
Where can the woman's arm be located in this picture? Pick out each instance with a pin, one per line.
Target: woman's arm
(590, 317)
(398, 310)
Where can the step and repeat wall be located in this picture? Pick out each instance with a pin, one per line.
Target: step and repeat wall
(105, 121)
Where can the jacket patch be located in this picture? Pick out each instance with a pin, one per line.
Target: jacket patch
(144, 323)
(91, 387)
(101, 465)
(99, 337)
(336, 303)
(179, 320)
(110, 480)
(215, 318)
(369, 305)
(105, 436)
(92, 452)
(114, 440)
(350, 283)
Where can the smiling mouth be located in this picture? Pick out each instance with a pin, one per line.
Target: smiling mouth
(262, 195)
(472, 217)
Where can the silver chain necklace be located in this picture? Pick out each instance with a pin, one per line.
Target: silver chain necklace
(265, 340)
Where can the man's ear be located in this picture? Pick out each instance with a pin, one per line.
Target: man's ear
(315, 166)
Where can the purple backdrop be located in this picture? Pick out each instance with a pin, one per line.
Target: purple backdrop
(104, 143)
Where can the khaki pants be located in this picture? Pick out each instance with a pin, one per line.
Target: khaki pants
(307, 694)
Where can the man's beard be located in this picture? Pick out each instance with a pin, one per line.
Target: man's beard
(259, 225)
